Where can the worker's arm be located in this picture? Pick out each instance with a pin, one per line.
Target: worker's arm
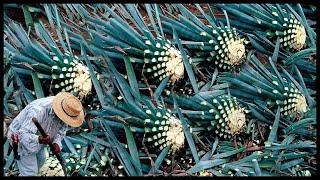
(29, 139)
(60, 134)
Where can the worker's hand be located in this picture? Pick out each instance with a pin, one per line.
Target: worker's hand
(44, 139)
(56, 148)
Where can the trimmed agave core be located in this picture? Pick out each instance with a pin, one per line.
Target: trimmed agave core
(229, 51)
(51, 167)
(163, 129)
(295, 35)
(229, 117)
(163, 60)
(71, 76)
(295, 103)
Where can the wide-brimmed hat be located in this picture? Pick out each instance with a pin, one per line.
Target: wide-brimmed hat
(68, 108)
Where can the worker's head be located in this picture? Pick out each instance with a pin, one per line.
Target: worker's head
(69, 109)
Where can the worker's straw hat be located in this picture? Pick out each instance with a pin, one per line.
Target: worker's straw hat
(69, 109)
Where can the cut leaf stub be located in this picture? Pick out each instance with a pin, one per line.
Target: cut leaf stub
(295, 103)
(164, 129)
(163, 60)
(51, 167)
(71, 76)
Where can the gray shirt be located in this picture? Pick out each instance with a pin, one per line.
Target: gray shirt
(28, 133)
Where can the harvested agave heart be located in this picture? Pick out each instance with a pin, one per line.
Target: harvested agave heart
(294, 36)
(164, 129)
(229, 49)
(70, 75)
(163, 60)
(228, 117)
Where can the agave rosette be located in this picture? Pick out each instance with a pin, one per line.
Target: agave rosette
(63, 71)
(272, 20)
(126, 34)
(159, 126)
(269, 87)
(220, 114)
(214, 42)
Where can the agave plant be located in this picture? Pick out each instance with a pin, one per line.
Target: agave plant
(63, 71)
(221, 114)
(270, 88)
(155, 122)
(271, 20)
(85, 164)
(214, 42)
(117, 38)
(158, 125)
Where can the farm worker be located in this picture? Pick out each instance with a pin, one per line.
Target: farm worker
(54, 114)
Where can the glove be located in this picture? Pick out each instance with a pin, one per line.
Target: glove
(14, 138)
(44, 140)
(55, 148)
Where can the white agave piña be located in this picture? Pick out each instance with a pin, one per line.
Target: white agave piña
(228, 116)
(29, 57)
(294, 36)
(71, 76)
(163, 60)
(229, 48)
(221, 115)
(294, 103)
(75, 162)
(164, 129)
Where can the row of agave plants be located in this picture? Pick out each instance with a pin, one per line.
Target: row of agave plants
(169, 89)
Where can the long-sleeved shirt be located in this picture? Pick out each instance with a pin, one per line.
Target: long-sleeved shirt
(28, 133)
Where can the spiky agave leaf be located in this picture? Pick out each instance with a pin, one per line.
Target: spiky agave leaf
(272, 20)
(163, 129)
(261, 85)
(65, 70)
(7, 56)
(214, 42)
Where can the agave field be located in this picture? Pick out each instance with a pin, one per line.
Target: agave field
(169, 89)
